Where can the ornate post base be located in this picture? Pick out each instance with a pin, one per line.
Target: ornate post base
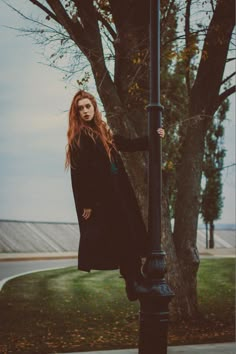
(154, 295)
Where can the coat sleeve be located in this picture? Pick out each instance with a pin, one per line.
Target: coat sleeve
(82, 174)
(131, 145)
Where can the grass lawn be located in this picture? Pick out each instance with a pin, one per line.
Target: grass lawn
(65, 310)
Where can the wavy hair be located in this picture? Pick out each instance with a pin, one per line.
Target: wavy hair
(76, 125)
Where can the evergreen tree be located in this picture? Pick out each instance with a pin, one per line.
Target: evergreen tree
(212, 200)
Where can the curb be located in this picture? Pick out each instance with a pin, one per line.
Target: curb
(11, 257)
(212, 348)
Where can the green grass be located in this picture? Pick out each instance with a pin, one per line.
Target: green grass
(216, 287)
(66, 310)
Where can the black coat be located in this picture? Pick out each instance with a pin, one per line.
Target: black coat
(115, 229)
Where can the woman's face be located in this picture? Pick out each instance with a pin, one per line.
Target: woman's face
(86, 109)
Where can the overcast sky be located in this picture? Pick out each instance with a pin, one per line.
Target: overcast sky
(33, 123)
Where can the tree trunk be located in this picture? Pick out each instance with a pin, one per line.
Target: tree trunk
(207, 246)
(203, 98)
(180, 305)
(212, 241)
(186, 215)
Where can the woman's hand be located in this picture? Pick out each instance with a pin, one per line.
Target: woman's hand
(87, 213)
(161, 132)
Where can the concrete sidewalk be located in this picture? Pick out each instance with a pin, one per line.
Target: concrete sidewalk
(216, 348)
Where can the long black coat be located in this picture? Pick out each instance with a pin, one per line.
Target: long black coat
(115, 229)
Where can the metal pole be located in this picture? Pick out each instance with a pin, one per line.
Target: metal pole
(154, 294)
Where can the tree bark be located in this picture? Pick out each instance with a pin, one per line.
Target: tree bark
(180, 305)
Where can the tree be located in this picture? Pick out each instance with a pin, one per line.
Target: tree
(204, 100)
(212, 201)
(120, 71)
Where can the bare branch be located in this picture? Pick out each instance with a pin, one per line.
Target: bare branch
(74, 29)
(106, 24)
(229, 59)
(15, 10)
(108, 38)
(228, 78)
(39, 31)
(225, 95)
(187, 43)
(45, 9)
(212, 6)
(224, 167)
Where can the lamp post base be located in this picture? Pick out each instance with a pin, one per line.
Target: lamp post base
(154, 295)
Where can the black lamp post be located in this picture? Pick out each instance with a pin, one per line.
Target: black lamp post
(154, 294)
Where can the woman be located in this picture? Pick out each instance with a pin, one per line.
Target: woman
(112, 231)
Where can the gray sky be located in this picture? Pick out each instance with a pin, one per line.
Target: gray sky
(33, 125)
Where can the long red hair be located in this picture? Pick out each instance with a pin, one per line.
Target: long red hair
(76, 125)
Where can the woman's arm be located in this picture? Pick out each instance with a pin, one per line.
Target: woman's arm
(130, 145)
(136, 144)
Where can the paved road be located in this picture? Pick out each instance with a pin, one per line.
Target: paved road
(9, 269)
(223, 238)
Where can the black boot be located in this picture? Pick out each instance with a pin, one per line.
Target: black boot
(130, 269)
(130, 287)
